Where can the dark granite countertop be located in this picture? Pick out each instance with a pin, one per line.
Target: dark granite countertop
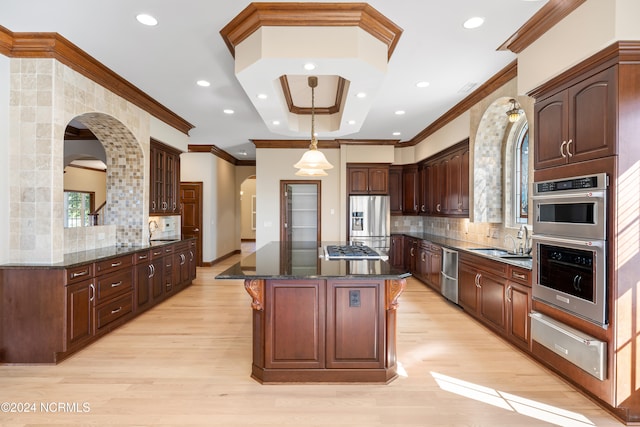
(83, 257)
(462, 245)
(302, 260)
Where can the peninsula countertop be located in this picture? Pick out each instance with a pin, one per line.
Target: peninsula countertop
(303, 260)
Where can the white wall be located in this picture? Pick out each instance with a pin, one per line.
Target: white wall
(273, 165)
(4, 159)
(445, 137)
(219, 202)
(168, 135)
(248, 189)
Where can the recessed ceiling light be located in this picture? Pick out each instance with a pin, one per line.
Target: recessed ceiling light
(309, 66)
(352, 122)
(422, 84)
(399, 112)
(396, 134)
(361, 95)
(203, 83)
(242, 153)
(474, 22)
(275, 122)
(262, 96)
(228, 111)
(145, 19)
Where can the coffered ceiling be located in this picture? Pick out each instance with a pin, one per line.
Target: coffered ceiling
(165, 61)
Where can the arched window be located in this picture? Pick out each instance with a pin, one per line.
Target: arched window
(521, 176)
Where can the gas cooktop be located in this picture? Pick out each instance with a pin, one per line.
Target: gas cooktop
(354, 252)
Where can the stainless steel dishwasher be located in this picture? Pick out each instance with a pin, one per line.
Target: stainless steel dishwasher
(449, 274)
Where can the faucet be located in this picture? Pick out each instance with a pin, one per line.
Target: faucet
(515, 249)
(527, 243)
(153, 226)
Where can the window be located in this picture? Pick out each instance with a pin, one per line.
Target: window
(521, 176)
(77, 209)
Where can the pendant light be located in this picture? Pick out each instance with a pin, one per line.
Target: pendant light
(313, 162)
(514, 112)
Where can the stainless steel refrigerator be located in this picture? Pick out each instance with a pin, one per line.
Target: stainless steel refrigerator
(370, 222)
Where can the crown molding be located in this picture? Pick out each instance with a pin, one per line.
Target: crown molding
(212, 149)
(548, 16)
(53, 45)
(300, 14)
(501, 78)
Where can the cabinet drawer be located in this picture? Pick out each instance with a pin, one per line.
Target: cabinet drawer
(113, 264)
(79, 273)
(141, 257)
(110, 285)
(521, 276)
(157, 252)
(114, 310)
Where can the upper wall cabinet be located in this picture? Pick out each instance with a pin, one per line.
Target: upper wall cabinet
(577, 123)
(364, 178)
(395, 189)
(410, 190)
(164, 180)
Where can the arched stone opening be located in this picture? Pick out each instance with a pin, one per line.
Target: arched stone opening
(125, 176)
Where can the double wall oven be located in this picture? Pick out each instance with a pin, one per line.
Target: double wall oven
(570, 245)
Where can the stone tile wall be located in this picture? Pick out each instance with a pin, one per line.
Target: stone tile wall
(45, 96)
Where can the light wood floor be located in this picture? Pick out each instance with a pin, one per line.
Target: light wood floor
(187, 362)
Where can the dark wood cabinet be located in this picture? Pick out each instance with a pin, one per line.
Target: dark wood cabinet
(457, 183)
(396, 253)
(577, 123)
(50, 313)
(410, 187)
(324, 330)
(411, 254)
(497, 294)
(164, 179)
(368, 178)
(395, 190)
(80, 327)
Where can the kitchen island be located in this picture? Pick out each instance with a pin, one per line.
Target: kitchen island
(317, 319)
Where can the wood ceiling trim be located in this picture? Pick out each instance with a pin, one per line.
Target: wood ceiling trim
(299, 14)
(292, 143)
(548, 16)
(498, 80)
(220, 153)
(53, 45)
(73, 133)
(286, 90)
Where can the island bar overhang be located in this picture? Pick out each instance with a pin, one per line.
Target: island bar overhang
(331, 321)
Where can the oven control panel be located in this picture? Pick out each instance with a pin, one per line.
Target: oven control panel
(580, 183)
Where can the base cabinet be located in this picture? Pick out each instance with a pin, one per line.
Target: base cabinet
(497, 294)
(324, 330)
(50, 313)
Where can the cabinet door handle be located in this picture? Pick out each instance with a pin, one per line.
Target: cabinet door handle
(422, 208)
(564, 143)
(478, 276)
(509, 292)
(151, 271)
(115, 285)
(423, 256)
(116, 310)
(438, 207)
(92, 292)
(191, 256)
(569, 153)
(412, 252)
(116, 264)
(183, 259)
(143, 256)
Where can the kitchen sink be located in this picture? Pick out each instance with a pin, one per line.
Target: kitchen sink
(499, 253)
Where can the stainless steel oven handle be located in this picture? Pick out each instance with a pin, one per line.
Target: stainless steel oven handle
(565, 241)
(570, 197)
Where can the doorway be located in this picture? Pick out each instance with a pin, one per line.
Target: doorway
(300, 211)
(191, 203)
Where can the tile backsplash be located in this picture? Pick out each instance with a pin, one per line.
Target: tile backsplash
(489, 234)
(164, 227)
